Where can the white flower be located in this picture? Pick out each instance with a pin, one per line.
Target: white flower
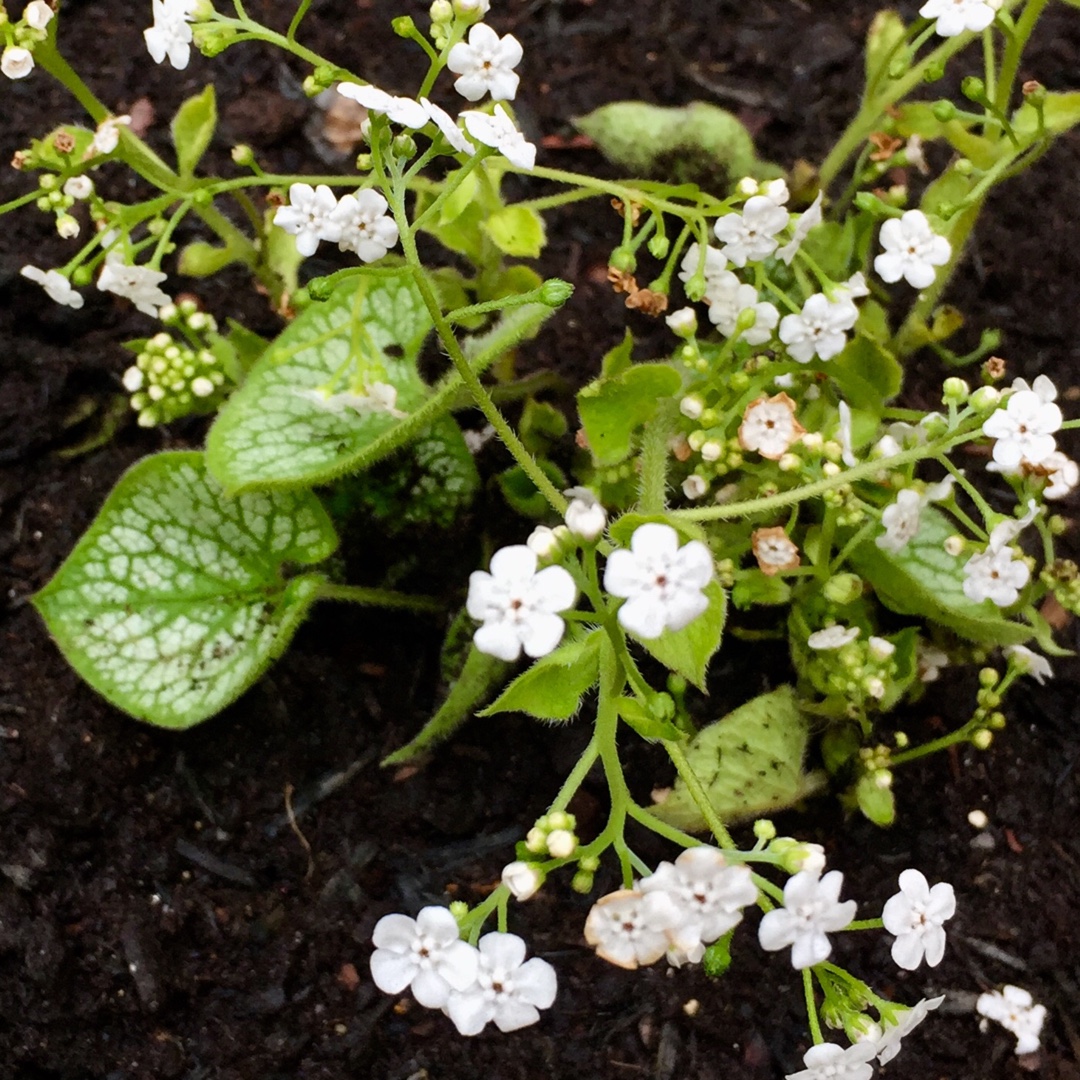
(522, 879)
(425, 953)
(728, 298)
(585, 517)
(769, 426)
(1024, 429)
(996, 574)
(16, 62)
(55, 284)
(1063, 474)
(692, 407)
(363, 225)
(695, 487)
(820, 329)
(901, 520)
(309, 217)
(79, 187)
(708, 895)
(37, 14)
(956, 16)
(508, 989)
(376, 397)
(887, 1045)
(833, 637)
(448, 126)
(629, 928)
(912, 250)
(1043, 386)
(827, 1061)
(171, 33)
(499, 133)
(807, 220)
(107, 136)
(929, 660)
(546, 542)
(472, 7)
(486, 64)
(139, 284)
(812, 908)
(402, 110)
(1030, 663)
(751, 235)
(518, 604)
(915, 916)
(1015, 1010)
(848, 454)
(661, 582)
(715, 265)
(682, 322)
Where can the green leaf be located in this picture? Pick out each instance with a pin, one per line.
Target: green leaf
(1061, 111)
(618, 359)
(176, 599)
(552, 687)
(750, 763)
(758, 588)
(923, 579)
(645, 723)
(612, 409)
(459, 198)
(867, 374)
(270, 435)
(878, 804)
(649, 140)
(523, 495)
(517, 231)
(688, 651)
(885, 49)
(193, 128)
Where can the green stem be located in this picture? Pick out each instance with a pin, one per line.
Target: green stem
(385, 598)
(811, 1007)
(865, 924)
(698, 793)
(577, 775)
(297, 19)
(652, 491)
(962, 734)
(1014, 51)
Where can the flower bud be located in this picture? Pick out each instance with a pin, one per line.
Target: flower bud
(543, 542)
(522, 879)
(982, 739)
(585, 517)
(789, 462)
(764, 830)
(555, 292)
(582, 882)
(843, 588)
(536, 841)
(561, 843)
(441, 11)
(692, 407)
(955, 390)
(695, 487)
(67, 227)
(974, 89)
(79, 187)
(659, 246)
(881, 648)
(623, 259)
(986, 397)
(683, 322)
(954, 546)
(944, 111)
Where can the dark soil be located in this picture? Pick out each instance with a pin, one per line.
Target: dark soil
(160, 918)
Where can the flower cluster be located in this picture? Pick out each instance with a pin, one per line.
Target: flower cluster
(171, 35)
(490, 982)
(999, 572)
(17, 59)
(1015, 1010)
(357, 222)
(677, 911)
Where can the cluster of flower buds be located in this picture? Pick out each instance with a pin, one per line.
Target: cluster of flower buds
(17, 59)
(554, 835)
(172, 378)
(859, 671)
(59, 199)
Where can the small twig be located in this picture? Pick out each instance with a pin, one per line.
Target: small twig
(296, 831)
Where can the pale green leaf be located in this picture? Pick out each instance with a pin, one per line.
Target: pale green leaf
(613, 408)
(176, 599)
(193, 128)
(750, 763)
(517, 231)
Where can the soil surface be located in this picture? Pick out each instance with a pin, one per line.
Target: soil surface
(160, 918)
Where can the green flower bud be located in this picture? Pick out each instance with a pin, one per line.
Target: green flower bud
(982, 739)
(955, 390)
(974, 89)
(403, 26)
(623, 259)
(582, 882)
(555, 292)
(843, 588)
(764, 830)
(988, 678)
(944, 111)
(243, 155)
(659, 247)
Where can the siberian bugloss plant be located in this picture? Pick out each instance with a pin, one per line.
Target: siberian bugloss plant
(763, 464)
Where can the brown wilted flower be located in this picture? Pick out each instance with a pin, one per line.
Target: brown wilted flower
(622, 280)
(769, 426)
(887, 145)
(995, 368)
(63, 142)
(620, 209)
(774, 550)
(647, 301)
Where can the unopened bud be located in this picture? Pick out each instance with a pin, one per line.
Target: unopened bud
(522, 879)
(692, 407)
(555, 292)
(982, 739)
(561, 843)
(683, 322)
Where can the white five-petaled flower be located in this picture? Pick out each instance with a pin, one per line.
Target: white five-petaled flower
(401, 110)
(498, 132)
(171, 34)
(309, 216)
(518, 605)
(901, 520)
(820, 329)
(508, 989)
(661, 582)
(1024, 429)
(16, 62)
(55, 284)
(715, 265)
(363, 225)
(956, 16)
(810, 218)
(812, 909)
(486, 64)
(833, 637)
(828, 1061)
(139, 284)
(769, 426)
(630, 928)
(448, 126)
(1062, 474)
(107, 136)
(887, 1045)
(728, 298)
(1015, 1010)
(37, 14)
(425, 954)
(912, 250)
(1029, 663)
(708, 893)
(996, 574)
(751, 235)
(915, 916)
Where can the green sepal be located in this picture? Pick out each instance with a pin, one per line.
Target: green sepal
(176, 599)
(878, 804)
(924, 580)
(553, 686)
(750, 764)
(192, 129)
